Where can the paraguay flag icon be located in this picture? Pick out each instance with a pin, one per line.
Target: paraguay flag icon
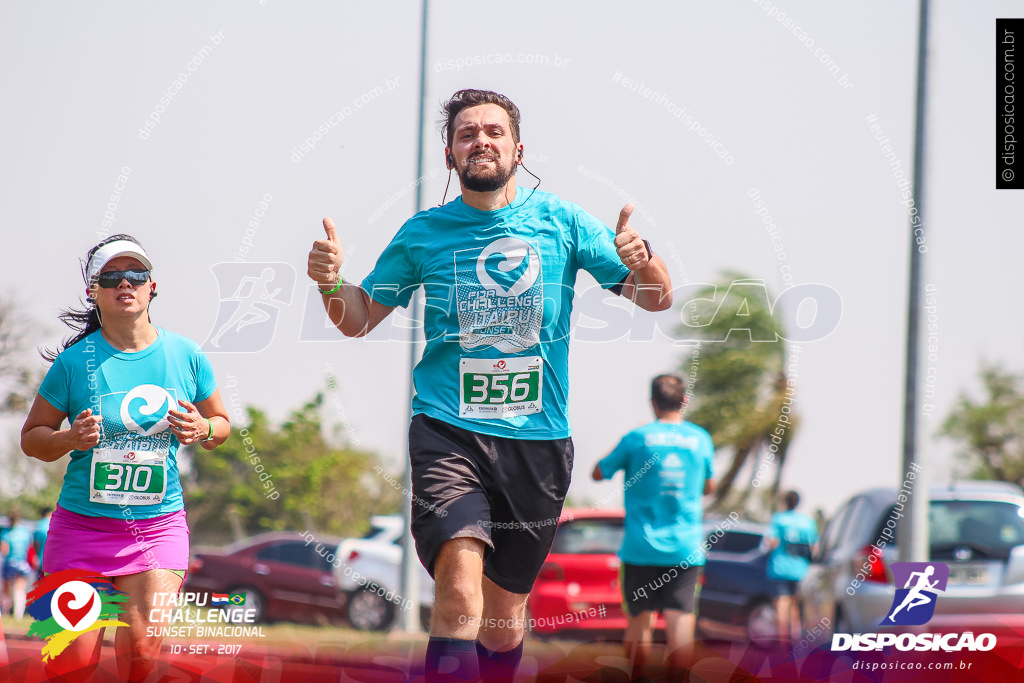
(71, 602)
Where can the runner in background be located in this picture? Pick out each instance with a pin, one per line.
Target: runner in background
(667, 467)
(490, 439)
(15, 542)
(132, 393)
(39, 535)
(792, 536)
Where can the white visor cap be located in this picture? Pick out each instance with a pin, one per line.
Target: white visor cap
(112, 250)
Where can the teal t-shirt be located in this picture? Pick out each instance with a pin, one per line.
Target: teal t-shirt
(133, 471)
(499, 293)
(664, 468)
(790, 528)
(39, 535)
(18, 539)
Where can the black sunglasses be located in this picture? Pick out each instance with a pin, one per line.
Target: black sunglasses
(112, 279)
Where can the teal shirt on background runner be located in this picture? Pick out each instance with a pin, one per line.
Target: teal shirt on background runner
(133, 471)
(790, 528)
(18, 539)
(665, 467)
(499, 294)
(39, 536)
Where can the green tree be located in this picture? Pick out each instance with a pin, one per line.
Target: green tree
(290, 478)
(19, 380)
(740, 387)
(990, 433)
(28, 484)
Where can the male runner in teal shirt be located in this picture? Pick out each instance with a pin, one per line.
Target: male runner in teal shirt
(489, 440)
(667, 470)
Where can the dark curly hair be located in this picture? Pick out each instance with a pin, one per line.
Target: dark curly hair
(464, 99)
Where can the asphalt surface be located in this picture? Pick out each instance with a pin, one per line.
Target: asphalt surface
(560, 662)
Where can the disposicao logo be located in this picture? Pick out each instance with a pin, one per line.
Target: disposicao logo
(922, 582)
(914, 605)
(68, 603)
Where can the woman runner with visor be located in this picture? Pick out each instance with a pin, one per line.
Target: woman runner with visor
(133, 393)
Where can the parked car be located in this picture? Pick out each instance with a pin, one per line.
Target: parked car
(582, 573)
(580, 576)
(736, 596)
(280, 573)
(369, 572)
(976, 528)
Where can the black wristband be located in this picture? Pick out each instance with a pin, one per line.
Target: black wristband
(650, 254)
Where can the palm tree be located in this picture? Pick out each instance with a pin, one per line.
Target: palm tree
(737, 371)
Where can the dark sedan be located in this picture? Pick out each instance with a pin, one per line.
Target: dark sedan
(282, 576)
(736, 596)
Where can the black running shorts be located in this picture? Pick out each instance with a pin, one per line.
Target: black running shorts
(784, 587)
(656, 589)
(506, 492)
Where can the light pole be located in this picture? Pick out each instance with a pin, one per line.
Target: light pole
(410, 620)
(913, 543)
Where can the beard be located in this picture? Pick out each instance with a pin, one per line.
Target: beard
(478, 179)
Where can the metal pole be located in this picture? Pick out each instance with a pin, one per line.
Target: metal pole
(410, 618)
(913, 543)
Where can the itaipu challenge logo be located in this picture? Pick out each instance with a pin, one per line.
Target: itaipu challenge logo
(71, 602)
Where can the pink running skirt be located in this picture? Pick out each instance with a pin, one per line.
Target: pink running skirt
(114, 546)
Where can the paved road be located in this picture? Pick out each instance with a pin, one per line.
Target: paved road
(560, 662)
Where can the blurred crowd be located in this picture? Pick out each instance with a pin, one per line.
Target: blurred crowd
(22, 544)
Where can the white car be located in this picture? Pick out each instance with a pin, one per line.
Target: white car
(975, 528)
(369, 571)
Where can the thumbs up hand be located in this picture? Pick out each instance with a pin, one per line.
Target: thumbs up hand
(326, 257)
(631, 249)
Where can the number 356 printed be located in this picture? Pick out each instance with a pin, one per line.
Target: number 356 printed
(513, 388)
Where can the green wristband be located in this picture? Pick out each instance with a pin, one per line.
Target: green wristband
(210, 436)
(331, 291)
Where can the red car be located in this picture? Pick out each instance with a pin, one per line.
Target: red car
(578, 586)
(281, 575)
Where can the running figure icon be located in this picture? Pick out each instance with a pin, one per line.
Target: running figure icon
(248, 313)
(915, 597)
